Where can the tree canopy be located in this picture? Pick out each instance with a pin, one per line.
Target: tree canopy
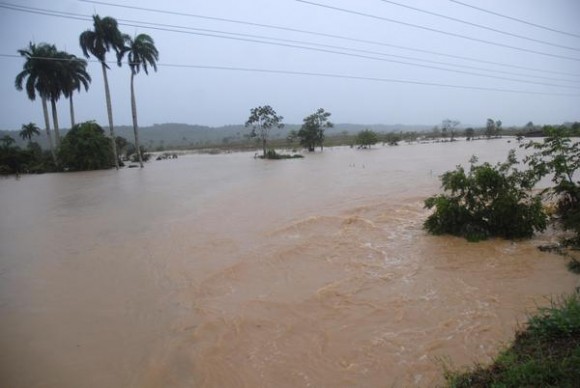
(262, 119)
(311, 134)
(366, 138)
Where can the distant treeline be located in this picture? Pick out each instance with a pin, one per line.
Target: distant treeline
(183, 136)
(191, 136)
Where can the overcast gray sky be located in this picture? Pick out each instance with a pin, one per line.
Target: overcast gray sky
(528, 81)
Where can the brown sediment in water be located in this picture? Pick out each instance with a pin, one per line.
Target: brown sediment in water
(226, 271)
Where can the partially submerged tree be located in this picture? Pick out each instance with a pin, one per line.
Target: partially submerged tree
(469, 132)
(97, 42)
(366, 138)
(449, 127)
(487, 201)
(311, 134)
(262, 119)
(393, 138)
(492, 128)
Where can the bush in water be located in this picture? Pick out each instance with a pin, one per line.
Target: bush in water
(487, 201)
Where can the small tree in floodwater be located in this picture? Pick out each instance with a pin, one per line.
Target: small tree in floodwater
(311, 133)
(559, 157)
(366, 138)
(262, 119)
(487, 201)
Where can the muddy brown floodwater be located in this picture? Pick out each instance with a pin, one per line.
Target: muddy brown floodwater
(225, 271)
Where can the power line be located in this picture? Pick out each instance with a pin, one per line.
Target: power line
(315, 33)
(480, 25)
(438, 31)
(339, 76)
(332, 50)
(516, 19)
(365, 78)
(233, 36)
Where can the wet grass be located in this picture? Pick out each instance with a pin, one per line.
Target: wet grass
(544, 354)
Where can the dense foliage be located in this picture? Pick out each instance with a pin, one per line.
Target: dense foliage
(487, 201)
(85, 147)
(15, 160)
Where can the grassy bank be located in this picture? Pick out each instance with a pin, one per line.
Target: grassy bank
(546, 353)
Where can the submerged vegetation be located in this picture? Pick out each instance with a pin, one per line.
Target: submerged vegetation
(498, 200)
(487, 201)
(366, 138)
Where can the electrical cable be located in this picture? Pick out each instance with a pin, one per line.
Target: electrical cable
(438, 31)
(516, 19)
(315, 33)
(339, 76)
(212, 33)
(480, 26)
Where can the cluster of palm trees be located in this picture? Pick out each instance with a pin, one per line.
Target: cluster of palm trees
(51, 74)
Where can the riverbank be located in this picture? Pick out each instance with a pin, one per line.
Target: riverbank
(546, 353)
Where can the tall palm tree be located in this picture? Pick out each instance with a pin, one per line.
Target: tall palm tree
(28, 131)
(38, 70)
(97, 42)
(57, 81)
(141, 52)
(75, 77)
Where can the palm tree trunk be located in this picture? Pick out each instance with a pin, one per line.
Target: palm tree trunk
(110, 114)
(47, 126)
(55, 121)
(134, 114)
(72, 111)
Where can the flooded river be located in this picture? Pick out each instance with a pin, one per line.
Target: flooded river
(226, 271)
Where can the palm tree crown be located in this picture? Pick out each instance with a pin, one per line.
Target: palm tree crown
(28, 131)
(76, 77)
(104, 37)
(38, 71)
(141, 51)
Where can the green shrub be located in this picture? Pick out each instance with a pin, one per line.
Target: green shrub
(561, 319)
(545, 354)
(487, 201)
(85, 147)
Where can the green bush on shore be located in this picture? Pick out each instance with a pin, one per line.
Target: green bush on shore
(544, 354)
